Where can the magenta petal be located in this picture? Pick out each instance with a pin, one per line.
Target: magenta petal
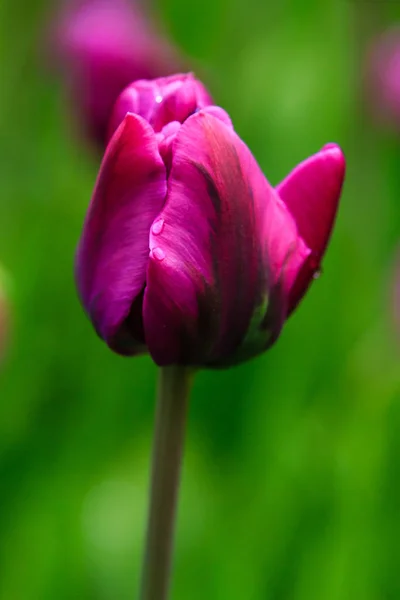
(138, 98)
(161, 100)
(311, 192)
(113, 252)
(208, 273)
(219, 113)
(177, 105)
(127, 102)
(179, 100)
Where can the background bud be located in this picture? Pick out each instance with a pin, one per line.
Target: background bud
(382, 78)
(101, 47)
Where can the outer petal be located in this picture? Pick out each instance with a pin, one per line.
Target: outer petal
(113, 252)
(208, 275)
(218, 113)
(311, 192)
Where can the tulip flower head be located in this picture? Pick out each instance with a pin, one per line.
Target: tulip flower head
(187, 251)
(103, 46)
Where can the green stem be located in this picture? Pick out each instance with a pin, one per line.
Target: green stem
(173, 393)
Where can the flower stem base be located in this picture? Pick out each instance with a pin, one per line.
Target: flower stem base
(173, 392)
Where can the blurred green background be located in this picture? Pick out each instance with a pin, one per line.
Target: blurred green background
(291, 480)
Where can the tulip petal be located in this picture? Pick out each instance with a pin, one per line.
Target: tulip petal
(180, 99)
(177, 105)
(113, 252)
(161, 101)
(208, 278)
(219, 113)
(311, 192)
(127, 102)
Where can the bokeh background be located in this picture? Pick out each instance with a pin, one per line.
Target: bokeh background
(291, 487)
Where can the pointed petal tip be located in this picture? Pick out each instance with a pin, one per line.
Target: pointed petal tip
(127, 102)
(331, 146)
(335, 154)
(312, 193)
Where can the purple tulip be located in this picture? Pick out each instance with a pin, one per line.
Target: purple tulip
(103, 46)
(187, 251)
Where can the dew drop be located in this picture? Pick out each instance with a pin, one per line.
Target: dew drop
(157, 227)
(158, 253)
(158, 99)
(317, 274)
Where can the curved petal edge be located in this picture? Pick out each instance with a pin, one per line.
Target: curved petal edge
(311, 192)
(113, 252)
(217, 252)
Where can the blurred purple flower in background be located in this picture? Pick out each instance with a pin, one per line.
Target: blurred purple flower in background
(187, 251)
(396, 294)
(5, 316)
(382, 78)
(102, 46)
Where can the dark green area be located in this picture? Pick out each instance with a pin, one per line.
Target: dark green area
(291, 479)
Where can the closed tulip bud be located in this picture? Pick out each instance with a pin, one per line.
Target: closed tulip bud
(187, 251)
(103, 45)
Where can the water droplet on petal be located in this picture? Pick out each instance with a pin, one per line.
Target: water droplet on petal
(157, 227)
(158, 99)
(314, 264)
(317, 274)
(158, 253)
